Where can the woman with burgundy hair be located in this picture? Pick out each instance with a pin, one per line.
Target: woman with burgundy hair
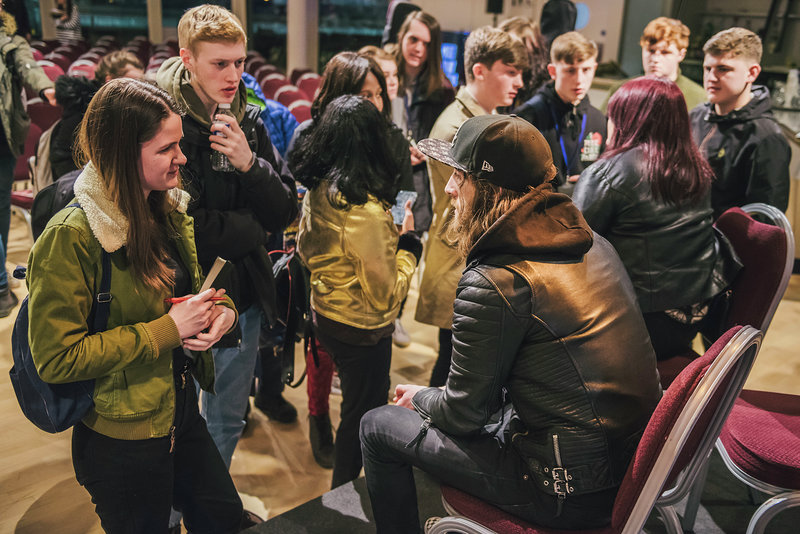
(649, 196)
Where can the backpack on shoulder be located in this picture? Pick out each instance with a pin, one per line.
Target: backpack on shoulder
(55, 407)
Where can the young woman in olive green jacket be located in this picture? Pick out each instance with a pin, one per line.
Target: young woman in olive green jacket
(143, 447)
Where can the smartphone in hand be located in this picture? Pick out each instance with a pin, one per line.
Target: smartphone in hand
(399, 208)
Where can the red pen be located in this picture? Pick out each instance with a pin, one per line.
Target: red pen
(176, 300)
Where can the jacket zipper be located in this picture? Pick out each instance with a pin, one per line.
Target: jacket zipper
(171, 439)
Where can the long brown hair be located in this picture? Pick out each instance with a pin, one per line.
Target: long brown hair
(432, 74)
(122, 115)
(488, 204)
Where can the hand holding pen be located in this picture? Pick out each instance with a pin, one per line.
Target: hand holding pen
(194, 313)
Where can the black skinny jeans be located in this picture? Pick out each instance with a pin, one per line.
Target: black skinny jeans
(364, 376)
(133, 483)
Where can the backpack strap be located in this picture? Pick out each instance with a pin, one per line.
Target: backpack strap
(101, 307)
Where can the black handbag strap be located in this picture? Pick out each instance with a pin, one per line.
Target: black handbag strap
(101, 306)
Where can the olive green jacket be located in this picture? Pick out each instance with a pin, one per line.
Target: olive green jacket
(17, 68)
(134, 395)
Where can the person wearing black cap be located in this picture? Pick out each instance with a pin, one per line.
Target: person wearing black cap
(553, 377)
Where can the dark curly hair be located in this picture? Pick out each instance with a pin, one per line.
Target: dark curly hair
(347, 152)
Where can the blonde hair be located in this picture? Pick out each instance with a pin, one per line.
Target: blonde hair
(487, 45)
(572, 47)
(114, 63)
(376, 53)
(736, 42)
(665, 29)
(209, 23)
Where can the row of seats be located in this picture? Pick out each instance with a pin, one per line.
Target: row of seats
(295, 92)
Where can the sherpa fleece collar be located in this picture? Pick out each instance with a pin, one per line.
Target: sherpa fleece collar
(107, 222)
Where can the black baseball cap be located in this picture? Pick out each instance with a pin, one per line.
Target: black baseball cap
(505, 150)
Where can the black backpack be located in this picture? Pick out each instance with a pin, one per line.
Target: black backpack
(55, 407)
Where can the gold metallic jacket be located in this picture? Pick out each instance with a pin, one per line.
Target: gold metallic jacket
(358, 277)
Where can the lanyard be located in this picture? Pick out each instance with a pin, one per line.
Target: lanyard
(561, 140)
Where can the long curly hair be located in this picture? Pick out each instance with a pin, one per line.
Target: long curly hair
(348, 153)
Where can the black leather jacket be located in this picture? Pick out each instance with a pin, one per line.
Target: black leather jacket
(672, 254)
(546, 318)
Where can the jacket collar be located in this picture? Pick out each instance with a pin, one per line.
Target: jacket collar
(544, 224)
(106, 221)
(175, 79)
(760, 105)
(468, 103)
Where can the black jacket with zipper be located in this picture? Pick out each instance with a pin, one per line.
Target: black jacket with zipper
(234, 212)
(748, 152)
(545, 317)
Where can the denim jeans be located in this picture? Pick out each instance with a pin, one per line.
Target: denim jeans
(6, 181)
(133, 483)
(480, 465)
(234, 370)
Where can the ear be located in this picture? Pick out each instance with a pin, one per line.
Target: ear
(752, 72)
(186, 58)
(478, 70)
(551, 70)
(682, 54)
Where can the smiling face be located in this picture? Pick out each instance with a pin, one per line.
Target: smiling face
(662, 59)
(216, 69)
(573, 79)
(161, 157)
(415, 46)
(371, 90)
(727, 80)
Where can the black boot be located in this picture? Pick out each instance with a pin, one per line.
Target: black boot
(320, 435)
(8, 301)
(276, 408)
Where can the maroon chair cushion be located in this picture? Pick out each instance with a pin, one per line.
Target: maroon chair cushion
(653, 439)
(659, 427)
(762, 249)
(296, 73)
(670, 368)
(31, 140)
(289, 94)
(309, 83)
(23, 199)
(762, 437)
(271, 85)
(43, 114)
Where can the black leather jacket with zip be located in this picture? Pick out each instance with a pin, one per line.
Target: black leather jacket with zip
(546, 318)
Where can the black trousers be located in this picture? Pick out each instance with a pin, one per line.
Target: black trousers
(480, 465)
(134, 483)
(364, 376)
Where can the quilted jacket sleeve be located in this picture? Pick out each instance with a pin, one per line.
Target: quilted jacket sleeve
(487, 334)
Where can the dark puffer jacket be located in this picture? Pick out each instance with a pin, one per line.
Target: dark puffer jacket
(748, 152)
(671, 252)
(546, 317)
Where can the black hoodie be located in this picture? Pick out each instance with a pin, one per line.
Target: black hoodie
(73, 94)
(559, 121)
(748, 152)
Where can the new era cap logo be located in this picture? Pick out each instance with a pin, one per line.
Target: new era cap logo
(486, 167)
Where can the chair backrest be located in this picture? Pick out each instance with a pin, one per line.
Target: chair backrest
(288, 94)
(767, 253)
(676, 440)
(270, 85)
(301, 109)
(21, 165)
(309, 83)
(43, 114)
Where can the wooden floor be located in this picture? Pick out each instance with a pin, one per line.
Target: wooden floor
(273, 467)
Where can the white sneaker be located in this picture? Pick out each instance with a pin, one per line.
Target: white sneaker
(400, 337)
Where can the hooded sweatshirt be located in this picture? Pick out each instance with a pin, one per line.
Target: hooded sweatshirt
(748, 152)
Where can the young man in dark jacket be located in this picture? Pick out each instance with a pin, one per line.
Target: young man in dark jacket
(736, 130)
(538, 385)
(234, 212)
(574, 129)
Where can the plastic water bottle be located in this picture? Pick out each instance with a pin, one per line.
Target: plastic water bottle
(219, 161)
